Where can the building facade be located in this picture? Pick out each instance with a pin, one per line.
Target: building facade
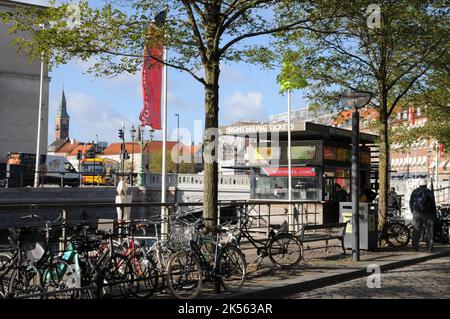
(19, 96)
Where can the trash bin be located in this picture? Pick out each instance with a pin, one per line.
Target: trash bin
(368, 224)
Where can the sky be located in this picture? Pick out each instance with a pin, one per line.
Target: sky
(98, 106)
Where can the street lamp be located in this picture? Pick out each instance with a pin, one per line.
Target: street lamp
(355, 100)
(178, 142)
(133, 135)
(141, 166)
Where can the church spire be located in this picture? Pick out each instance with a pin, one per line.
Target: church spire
(62, 110)
(62, 120)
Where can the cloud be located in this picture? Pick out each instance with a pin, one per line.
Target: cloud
(244, 106)
(90, 117)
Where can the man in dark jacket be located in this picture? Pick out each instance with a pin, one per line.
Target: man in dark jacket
(423, 208)
(393, 202)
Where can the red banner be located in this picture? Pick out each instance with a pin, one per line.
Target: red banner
(441, 150)
(295, 171)
(151, 88)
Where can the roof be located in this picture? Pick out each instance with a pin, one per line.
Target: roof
(67, 147)
(82, 148)
(366, 113)
(299, 131)
(150, 147)
(115, 148)
(56, 145)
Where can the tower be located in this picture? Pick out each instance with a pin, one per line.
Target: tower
(62, 120)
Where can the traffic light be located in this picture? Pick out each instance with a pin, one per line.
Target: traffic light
(126, 156)
(121, 135)
(79, 155)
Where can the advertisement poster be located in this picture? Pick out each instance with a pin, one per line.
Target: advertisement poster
(303, 152)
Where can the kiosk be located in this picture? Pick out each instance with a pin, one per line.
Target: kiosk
(320, 162)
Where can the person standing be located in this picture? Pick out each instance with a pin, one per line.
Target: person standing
(393, 202)
(423, 208)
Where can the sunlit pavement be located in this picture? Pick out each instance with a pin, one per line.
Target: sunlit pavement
(430, 279)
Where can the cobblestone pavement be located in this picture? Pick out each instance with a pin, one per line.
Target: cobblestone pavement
(430, 279)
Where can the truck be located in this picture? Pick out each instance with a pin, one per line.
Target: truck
(20, 170)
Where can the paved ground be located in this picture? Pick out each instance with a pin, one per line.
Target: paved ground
(430, 279)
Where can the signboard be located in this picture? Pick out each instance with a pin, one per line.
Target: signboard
(262, 128)
(303, 152)
(295, 171)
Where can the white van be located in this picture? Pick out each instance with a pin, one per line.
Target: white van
(54, 170)
(57, 168)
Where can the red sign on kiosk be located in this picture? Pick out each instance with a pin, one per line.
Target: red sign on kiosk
(295, 171)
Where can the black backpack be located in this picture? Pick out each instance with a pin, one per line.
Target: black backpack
(422, 201)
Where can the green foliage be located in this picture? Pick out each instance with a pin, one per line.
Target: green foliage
(171, 166)
(393, 61)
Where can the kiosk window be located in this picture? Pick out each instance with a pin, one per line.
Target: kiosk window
(303, 152)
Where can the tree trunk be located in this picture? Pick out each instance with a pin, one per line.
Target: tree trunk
(210, 181)
(383, 167)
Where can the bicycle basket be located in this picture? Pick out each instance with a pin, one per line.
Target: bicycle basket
(181, 233)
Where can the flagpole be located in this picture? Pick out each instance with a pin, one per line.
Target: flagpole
(164, 212)
(38, 143)
(290, 219)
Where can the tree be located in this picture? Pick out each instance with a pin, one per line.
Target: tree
(390, 52)
(199, 34)
(156, 160)
(435, 102)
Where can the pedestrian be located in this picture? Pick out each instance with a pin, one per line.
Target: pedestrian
(341, 194)
(423, 208)
(393, 202)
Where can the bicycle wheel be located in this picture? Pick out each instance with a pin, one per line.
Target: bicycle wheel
(232, 268)
(184, 275)
(58, 277)
(118, 277)
(285, 250)
(24, 281)
(144, 273)
(5, 272)
(397, 234)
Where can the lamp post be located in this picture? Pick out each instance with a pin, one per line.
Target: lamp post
(178, 159)
(133, 135)
(355, 100)
(178, 142)
(141, 181)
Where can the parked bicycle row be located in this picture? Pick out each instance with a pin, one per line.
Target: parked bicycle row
(131, 259)
(118, 259)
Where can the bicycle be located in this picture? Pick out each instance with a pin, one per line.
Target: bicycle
(189, 268)
(394, 232)
(283, 249)
(19, 275)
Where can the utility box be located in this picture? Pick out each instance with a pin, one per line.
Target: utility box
(368, 224)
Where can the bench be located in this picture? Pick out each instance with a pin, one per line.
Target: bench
(312, 233)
